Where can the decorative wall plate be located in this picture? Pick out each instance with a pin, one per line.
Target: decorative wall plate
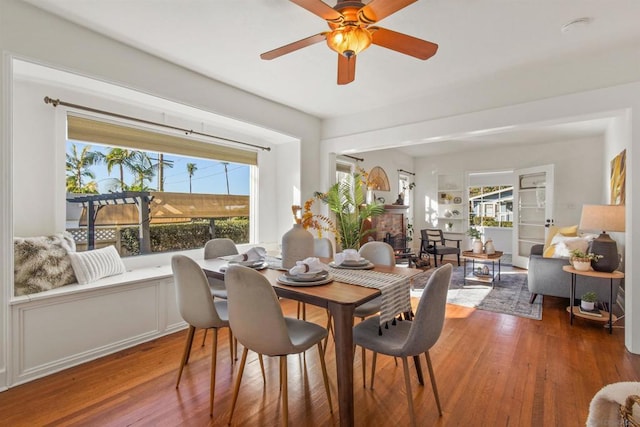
(457, 200)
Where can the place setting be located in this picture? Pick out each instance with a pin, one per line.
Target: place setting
(253, 258)
(309, 272)
(350, 259)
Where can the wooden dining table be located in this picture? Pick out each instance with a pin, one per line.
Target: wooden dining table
(340, 299)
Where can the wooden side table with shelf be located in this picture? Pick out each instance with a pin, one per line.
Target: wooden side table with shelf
(575, 310)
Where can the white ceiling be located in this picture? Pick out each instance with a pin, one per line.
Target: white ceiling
(223, 40)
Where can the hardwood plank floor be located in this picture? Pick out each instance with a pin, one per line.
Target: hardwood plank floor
(491, 369)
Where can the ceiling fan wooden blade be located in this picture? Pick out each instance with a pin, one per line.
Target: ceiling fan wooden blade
(377, 10)
(283, 50)
(321, 9)
(403, 43)
(346, 69)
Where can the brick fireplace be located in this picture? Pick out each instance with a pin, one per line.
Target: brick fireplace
(393, 221)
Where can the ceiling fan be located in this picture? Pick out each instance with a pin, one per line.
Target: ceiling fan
(352, 31)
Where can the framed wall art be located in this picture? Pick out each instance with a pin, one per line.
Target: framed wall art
(618, 176)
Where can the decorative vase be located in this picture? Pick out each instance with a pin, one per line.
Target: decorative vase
(581, 265)
(489, 249)
(297, 244)
(587, 305)
(477, 246)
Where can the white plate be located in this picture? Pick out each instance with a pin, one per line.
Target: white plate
(285, 281)
(355, 263)
(253, 264)
(307, 277)
(260, 266)
(367, 266)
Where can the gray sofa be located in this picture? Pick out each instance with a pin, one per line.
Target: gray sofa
(546, 277)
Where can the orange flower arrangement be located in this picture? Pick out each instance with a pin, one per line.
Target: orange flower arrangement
(308, 219)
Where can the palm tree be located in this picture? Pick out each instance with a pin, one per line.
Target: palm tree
(78, 168)
(191, 169)
(122, 158)
(143, 170)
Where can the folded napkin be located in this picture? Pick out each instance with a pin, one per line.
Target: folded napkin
(254, 254)
(308, 265)
(346, 255)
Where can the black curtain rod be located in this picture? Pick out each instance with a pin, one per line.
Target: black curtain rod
(56, 102)
(410, 173)
(353, 157)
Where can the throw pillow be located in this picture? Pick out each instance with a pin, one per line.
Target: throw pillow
(561, 246)
(42, 263)
(571, 231)
(93, 265)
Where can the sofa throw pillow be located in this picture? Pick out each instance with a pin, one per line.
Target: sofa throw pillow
(42, 263)
(93, 265)
(570, 231)
(563, 245)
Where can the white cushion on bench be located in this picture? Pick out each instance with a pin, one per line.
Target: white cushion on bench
(93, 265)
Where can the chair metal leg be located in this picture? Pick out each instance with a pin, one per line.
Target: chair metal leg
(204, 337)
(231, 345)
(433, 381)
(407, 383)
(264, 377)
(214, 352)
(285, 391)
(325, 377)
(373, 367)
(236, 389)
(187, 350)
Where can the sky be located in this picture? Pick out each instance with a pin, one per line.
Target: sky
(209, 178)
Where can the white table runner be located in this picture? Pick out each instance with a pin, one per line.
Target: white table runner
(395, 289)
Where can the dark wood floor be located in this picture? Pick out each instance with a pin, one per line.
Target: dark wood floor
(492, 370)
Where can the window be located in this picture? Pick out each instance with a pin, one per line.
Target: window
(491, 206)
(194, 190)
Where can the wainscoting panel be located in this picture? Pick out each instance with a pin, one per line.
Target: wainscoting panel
(55, 333)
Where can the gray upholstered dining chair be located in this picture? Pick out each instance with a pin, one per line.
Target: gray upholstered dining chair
(259, 325)
(199, 310)
(411, 338)
(215, 248)
(378, 253)
(322, 248)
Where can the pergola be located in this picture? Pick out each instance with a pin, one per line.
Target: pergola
(143, 208)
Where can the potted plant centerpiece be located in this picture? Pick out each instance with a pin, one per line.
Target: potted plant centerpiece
(581, 261)
(347, 200)
(588, 301)
(476, 241)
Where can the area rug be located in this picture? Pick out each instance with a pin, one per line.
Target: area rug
(510, 295)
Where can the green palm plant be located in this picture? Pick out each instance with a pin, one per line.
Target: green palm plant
(122, 159)
(191, 169)
(347, 200)
(78, 168)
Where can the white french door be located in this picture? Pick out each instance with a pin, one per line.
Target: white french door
(533, 210)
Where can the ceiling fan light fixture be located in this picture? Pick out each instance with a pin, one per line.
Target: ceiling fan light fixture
(349, 40)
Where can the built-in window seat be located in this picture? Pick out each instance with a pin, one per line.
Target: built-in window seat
(129, 277)
(63, 327)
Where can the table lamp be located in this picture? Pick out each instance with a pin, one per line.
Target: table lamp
(601, 218)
